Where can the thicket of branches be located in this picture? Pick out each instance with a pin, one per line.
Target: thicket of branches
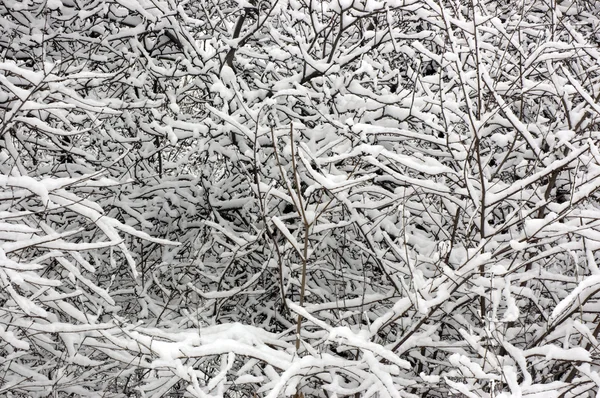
(276, 198)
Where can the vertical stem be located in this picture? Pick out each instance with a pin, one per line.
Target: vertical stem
(482, 180)
(302, 214)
